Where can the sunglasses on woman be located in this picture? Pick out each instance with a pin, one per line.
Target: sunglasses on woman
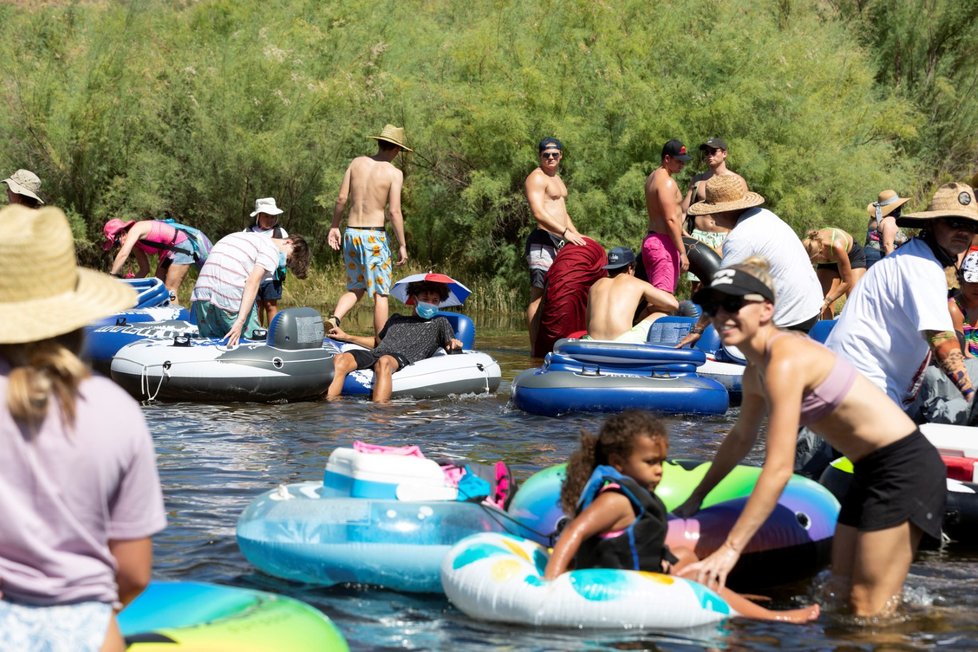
(730, 303)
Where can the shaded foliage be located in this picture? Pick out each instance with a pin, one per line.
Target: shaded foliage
(195, 109)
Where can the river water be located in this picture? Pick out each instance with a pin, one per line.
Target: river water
(214, 459)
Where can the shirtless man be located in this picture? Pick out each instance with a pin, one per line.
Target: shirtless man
(612, 302)
(371, 184)
(547, 195)
(663, 252)
(716, 157)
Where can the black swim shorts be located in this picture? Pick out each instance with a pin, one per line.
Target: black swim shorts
(366, 359)
(857, 259)
(903, 481)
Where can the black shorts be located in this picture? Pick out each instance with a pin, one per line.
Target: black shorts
(270, 290)
(367, 359)
(857, 259)
(803, 326)
(903, 481)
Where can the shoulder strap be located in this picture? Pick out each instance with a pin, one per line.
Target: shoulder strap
(639, 497)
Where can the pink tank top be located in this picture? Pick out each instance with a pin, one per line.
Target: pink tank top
(824, 399)
(164, 234)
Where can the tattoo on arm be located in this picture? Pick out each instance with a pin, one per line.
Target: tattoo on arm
(951, 360)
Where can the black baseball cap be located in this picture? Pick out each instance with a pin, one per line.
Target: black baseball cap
(550, 141)
(675, 149)
(620, 257)
(716, 143)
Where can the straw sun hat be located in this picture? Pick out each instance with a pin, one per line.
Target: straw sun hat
(950, 200)
(725, 192)
(886, 202)
(395, 135)
(43, 292)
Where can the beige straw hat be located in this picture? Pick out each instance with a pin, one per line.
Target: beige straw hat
(24, 182)
(725, 192)
(43, 292)
(395, 135)
(950, 200)
(886, 202)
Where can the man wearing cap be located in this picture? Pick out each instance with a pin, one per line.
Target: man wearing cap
(715, 150)
(663, 251)
(372, 186)
(547, 196)
(270, 291)
(613, 302)
(897, 317)
(22, 188)
(756, 231)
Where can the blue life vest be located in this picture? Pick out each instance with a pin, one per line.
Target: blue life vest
(642, 546)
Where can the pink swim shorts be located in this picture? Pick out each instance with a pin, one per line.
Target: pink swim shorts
(661, 260)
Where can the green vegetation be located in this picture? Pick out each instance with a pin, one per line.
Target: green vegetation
(194, 109)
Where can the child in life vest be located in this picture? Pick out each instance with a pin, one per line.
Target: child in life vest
(620, 522)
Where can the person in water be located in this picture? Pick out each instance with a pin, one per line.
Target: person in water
(898, 490)
(610, 488)
(404, 340)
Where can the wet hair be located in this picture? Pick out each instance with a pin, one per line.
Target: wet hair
(759, 268)
(417, 287)
(813, 244)
(616, 438)
(299, 260)
(40, 370)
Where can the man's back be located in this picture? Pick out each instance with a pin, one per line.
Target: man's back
(370, 187)
(611, 305)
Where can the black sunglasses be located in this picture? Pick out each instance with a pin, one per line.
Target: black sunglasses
(730, 303)
(710, 151)
(961, 224)
(549, 155)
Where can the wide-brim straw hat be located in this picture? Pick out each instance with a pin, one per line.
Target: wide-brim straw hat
(725, 192)
(24, 182)
(886, 202)
(43, 291)
(395, 135)
(950, 200)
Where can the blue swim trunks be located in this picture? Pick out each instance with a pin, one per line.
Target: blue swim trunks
(368, 261)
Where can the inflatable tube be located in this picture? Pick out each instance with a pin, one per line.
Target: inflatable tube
(703, 259)
(499, 578)
(196, 616)
(294, 363)
(960, 512)
(794, 543)
(465, 372)
(150, 291)
(553, 392)
(620, 353)
(302, 532)
(103, 342)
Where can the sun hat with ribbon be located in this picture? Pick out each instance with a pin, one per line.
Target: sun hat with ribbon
(43, 291)
(457, 293)
(24, 182)
(725, 192)
(886, 202)
(950, 200)
(111, 230)
(395, 135)
(266, 205)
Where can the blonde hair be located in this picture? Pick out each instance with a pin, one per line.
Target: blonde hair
(813, 244)
(759, 268)
(42, 369)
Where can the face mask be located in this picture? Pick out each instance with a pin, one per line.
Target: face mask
(282, 262)
(426, 310)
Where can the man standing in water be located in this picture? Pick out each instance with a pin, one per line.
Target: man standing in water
(371, 184)
(663, 251)
(547, 195)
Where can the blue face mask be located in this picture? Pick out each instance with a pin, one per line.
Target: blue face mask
(425, 310)
(282, 262)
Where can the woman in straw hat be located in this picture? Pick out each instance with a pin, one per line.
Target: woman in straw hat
(882, 233)
(79, 491)
(898, 491)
